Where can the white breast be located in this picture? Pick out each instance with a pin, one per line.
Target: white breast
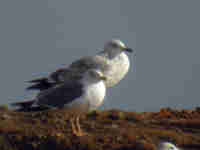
(92, 97)
(94, 94)
(119, 67)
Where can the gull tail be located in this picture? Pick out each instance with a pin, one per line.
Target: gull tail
(46, 82)
(25, 104)
(40, 84)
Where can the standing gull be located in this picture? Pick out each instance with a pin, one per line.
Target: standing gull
(112, 61)
(167, 146)
(80, 95)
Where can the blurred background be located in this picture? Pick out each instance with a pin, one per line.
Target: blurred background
(37, 37)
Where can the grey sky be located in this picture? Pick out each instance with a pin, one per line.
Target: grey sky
(38, 36)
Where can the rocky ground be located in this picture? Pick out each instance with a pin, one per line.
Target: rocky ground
(106, 130)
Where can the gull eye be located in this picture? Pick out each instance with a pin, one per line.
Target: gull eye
(93, 73)
(171, 148)
(114, 45)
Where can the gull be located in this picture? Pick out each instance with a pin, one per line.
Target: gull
(80, 95)
(112, 61)
(167, 146)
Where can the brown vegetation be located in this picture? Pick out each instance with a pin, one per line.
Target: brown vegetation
(106, 130)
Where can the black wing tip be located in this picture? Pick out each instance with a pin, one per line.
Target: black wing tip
(24, 104)
(34, 87)
(40, 85)
(32, 109)
(38, 80)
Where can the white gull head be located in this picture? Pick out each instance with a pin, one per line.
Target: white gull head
(115, 47)
(167, 146)
(94, 76)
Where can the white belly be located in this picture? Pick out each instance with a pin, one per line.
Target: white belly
(92, 98)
